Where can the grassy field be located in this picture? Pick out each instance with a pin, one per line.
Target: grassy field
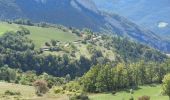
(27, 93)
(7, 27)
(153, 91)
(40, 35)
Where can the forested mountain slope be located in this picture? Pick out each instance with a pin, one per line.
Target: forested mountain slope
(151, 14)
(85, 61)
(74, 55)
(79, 14)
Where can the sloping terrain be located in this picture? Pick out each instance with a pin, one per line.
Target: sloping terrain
(154, 91)
(153, 15)
(79, 14)
(56, 60)
(40, 35)
(27, 92)
(82, 43)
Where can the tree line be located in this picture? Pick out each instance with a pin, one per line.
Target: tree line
(105, 78)
(17, 51)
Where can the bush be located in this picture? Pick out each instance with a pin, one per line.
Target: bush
(47, 44)
(144, 98)
(53, 42)
(8, 92)
(73, 86)
(41, 87)
(80, 97)
(58, 90)
(7, 74)
(131, 98)
(113, 92)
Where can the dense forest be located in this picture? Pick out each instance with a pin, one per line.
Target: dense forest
(104, 78)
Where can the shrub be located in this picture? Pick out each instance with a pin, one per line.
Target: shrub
(47, 44)
(144, 98)
(73, 86)
(79, 97)
(113, 92)
(131, 98)
(7, 74)
(41, 87)
(58, 90)
(8, 92)
(53, 42)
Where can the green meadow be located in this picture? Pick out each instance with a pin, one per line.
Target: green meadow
(40, 35)
(28, 92)
(153, 91)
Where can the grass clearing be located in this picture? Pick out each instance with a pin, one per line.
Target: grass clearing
(4, 27)
(153, 91)
(40, 35)
(27, 93)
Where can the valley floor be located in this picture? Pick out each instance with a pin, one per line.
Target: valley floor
(154, 91)
(28, 93)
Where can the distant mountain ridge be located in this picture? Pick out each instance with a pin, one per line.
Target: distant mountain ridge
(152, 14)
(79, 14)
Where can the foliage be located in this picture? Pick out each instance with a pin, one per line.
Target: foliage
(133, 51)
(8, 92)
(27, 78)
(41, 87)
(18, 51)
(23, 22)
(104, 78)
(166, 85)
(7, 74)
(80, 97)
(51, 80)
(131, 98)
(135, 64)
(89, 79)
(73, 86)
(53, 42)
(58, 90)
